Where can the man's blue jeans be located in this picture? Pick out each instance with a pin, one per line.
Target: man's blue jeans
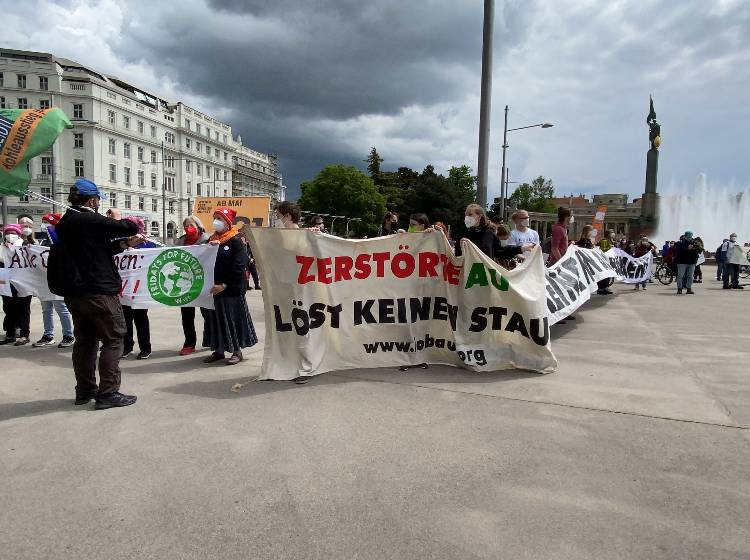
(66, 322)
(720, 268)
(685, 275)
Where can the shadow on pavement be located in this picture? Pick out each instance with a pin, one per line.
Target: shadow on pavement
(222, 388)
(35, 408)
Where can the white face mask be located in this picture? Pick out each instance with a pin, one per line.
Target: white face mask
(470, 221)
(525, 222)
(27, 231)
(219, 225)
(503, 243)
(11, 238)
(733, 239)
(278, 223)
(592, 236)
(572, 220)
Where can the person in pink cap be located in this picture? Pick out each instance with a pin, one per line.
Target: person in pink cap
(17, 309)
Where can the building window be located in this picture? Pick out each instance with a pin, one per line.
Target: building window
(140, 153)
(113, 200)
(46, 166)
(170, 162)
(187, 143)
(216, 153)
(154, 205)
(198, 189)
(226, 175)
(171, 206)
(140, 127)
(22, 81)
(126, 121)
(23, 103)
(78, 166)
(2, 79)
(141, 180)
(127, 201)
(127, 175)
(188, 166)
(189, 187)
(78, 140)
(153, 131)
(153, 156)
(112, 146)
(208, 150)
(141, 203)
(43, 83)
(225, 156)
(112, 172)
(208, 172)
(2, 102)
(225, 138)
(154, 229)
(77, 110)
(111, 117)
(208, 132)
(169, 138)
(187, 124)
(198, 168)
(198, 128)
(126, 150)
(153, 181)
(198, 147)
(44, 103)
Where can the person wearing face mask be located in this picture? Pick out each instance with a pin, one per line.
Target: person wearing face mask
(49, 307)
(522, 234)
(80, 268)
(390, 224)
(27, 229)
(195, 234)
(605, 244)
(644, 247)
(735, 258)
(228, 327)
(418, 223)
(287, 215)
(17, 309)
(481, 233)
(588, 236)
(505, 239)
(686, 252)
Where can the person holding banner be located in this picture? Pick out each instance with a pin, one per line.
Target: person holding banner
(228, 327)
(287, 215)
(195, 234)
(560, 235)
(17, 309)
(643, 248)
(81, 269)
(686, 252)
(481, 234)
(522, 234)
(27, 229)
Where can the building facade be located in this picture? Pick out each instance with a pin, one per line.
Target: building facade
(151, 156)
(256, 174)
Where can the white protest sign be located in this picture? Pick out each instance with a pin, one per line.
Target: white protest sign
(174, 276)
(333, 304)
(630, 270)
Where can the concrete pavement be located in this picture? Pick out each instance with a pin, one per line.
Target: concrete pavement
(638, 447)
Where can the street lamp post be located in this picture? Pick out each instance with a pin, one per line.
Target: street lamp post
(485, 103)
(503, 180)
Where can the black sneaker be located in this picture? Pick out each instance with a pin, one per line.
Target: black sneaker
(112, 400)
(44, 341)
(679, 291)
(125, 354)
(738, 287)
(690, 291)
(66, 342)
(143, 355)
(7, 340)
(84, 398)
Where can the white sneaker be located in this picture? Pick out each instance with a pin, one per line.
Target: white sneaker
(44, 341)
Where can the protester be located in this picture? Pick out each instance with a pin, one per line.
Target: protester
(735, 258)
(195, 234)
(418, 223)
(81, 268)
(390, 224)
(287, 215)
(665, 249)
(481, 234)
(522, 234)
(698, 272)
(559, 244)
(440, 226)
(721, 259)
(505, 239)
(17, 309)
(644, 247)
(27, 229)
(686, 253)
(588, 236)
(139, 317)
(606, 243)
(228, 327)
(318, 223)
(49, 221)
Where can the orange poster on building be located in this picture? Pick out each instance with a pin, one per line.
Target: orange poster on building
(251, 210)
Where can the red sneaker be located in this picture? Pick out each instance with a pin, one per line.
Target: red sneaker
(187, 350)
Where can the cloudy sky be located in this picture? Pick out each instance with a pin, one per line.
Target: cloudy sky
(320, 81)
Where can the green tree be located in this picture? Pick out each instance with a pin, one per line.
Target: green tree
(463, 180)
(343, 190)
(534, 197)
(373, 165)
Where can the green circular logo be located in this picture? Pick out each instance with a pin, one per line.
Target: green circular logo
(175, 277)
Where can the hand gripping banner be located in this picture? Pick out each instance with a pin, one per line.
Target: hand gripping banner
(333, 304)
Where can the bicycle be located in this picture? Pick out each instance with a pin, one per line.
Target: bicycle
(665, 274)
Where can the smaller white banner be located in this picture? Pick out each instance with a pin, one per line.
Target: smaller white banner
(630, 270)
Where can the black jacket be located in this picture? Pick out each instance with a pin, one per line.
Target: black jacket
(85, 238)
(585, 243)
(231, 263)
(488, 243)
(683, 255)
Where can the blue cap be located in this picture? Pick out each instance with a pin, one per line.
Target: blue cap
(88, 188)
(688, 235)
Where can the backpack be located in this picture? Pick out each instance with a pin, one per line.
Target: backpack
(63, 277)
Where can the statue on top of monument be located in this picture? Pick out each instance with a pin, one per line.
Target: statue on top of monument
(654, 128)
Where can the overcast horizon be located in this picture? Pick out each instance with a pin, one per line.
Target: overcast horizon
(322, 82)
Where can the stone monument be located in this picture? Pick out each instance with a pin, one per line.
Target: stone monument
(648, 221)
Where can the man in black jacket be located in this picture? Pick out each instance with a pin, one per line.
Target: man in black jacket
(86, 243)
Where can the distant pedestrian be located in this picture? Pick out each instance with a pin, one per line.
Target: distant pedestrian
(721, 259)
(17, 309)
(686, 252)
(560, 235)
(735, 258)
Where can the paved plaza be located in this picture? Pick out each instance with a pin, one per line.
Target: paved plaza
(638, 447)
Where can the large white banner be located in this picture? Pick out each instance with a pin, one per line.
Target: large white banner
(333, 304)
(173, 276)
(630, 270)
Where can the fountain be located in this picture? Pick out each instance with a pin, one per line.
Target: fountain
(710, 211)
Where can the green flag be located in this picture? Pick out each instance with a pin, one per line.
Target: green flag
(25, 133)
